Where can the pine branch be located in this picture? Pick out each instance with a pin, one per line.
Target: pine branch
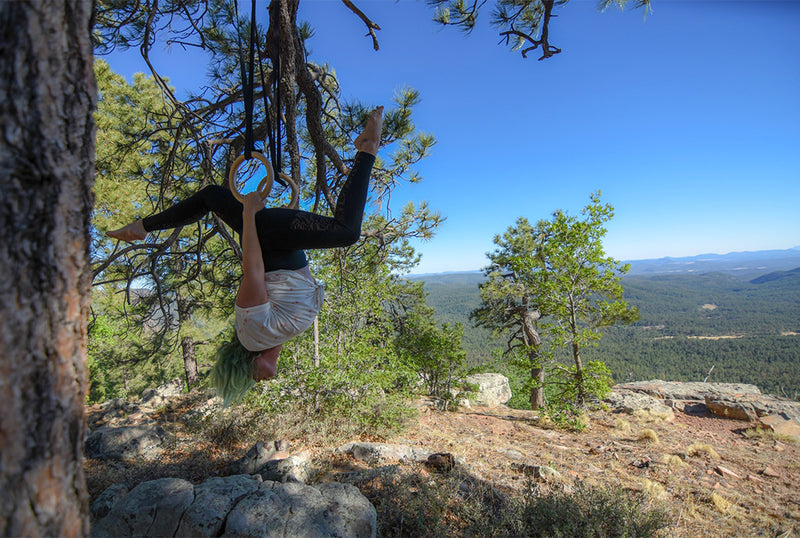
(371, 26)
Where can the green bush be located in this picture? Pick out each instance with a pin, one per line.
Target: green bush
(348, 395)
(434, 352)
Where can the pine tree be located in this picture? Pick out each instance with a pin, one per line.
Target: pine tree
(552, 287)
(47, 96)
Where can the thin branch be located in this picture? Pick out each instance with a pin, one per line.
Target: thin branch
(371, 26)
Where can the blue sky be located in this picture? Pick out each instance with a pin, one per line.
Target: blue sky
(688, 121)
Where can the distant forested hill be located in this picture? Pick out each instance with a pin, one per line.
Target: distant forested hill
(747, 329)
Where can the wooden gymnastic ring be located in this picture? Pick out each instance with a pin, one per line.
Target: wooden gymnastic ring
(295, 200)
(264, 186)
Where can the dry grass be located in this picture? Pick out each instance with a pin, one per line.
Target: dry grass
(654, 490)
(650, 416)
(763, 433)
(699, 449)
(486, 496)
(720, 503)
(622, 426)
(674, 461)
(649, 436)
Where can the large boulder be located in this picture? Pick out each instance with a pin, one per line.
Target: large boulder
(781, 424)
(493, 389)
(239, 505)
(152, 508)
(295, 510)
(256, 457)
(295, 468)
(213, 500)
(753, 406)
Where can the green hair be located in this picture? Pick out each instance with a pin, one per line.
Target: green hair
(232, 375)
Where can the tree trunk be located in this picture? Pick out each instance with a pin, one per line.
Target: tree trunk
(533, 340)
(537, 393)
(187, 343)
(47, 96)
(189, 361)
(316, 342)
(580, 385)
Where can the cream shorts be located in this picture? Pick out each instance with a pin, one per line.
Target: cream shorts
(294, 302)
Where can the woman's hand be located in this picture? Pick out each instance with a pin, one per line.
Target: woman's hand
(253, 203)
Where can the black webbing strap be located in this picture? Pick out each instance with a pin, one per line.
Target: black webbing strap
(247, 79)
(248, 71)
(274, 134)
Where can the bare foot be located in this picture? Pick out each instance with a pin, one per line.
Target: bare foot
(132, 232)
(370, 139)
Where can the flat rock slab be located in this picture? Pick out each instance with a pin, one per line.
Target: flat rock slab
(691, 391)
(239, 505)
(376, 452)
(738, 401)
(125, 442)
(633, 402)
(782, 425)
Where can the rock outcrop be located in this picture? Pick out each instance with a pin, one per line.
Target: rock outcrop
(125, 442)
(493, 389)
(632, 402)
(738, 401)
(238, 505)
(161, 395)
(378, 452)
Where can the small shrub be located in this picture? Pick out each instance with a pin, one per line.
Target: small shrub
(459, 504)
(762, 433)
(566, 416)
(232, 428)
(650, 416)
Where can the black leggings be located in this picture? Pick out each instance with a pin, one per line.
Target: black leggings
(282, 233)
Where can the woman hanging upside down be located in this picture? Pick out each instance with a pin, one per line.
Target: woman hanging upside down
(278, 297)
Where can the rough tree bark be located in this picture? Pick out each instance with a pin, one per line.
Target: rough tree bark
(187, 342)
(189, 361)
(533, 341)
(47, 96)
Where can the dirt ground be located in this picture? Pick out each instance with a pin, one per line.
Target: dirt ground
(715, 476)
(744, 486)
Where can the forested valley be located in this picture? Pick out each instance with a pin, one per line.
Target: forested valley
(716, 326)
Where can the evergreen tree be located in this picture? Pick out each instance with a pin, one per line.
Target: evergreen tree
(47, 96)
(555, 279)
(510, 302)
(198, 267)
(157, 312)
(524, 25)
(579, 293)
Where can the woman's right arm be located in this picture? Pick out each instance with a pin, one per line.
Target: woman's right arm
(252, 290)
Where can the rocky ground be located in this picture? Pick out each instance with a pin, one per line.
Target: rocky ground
(715, 475)
(749, 489)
